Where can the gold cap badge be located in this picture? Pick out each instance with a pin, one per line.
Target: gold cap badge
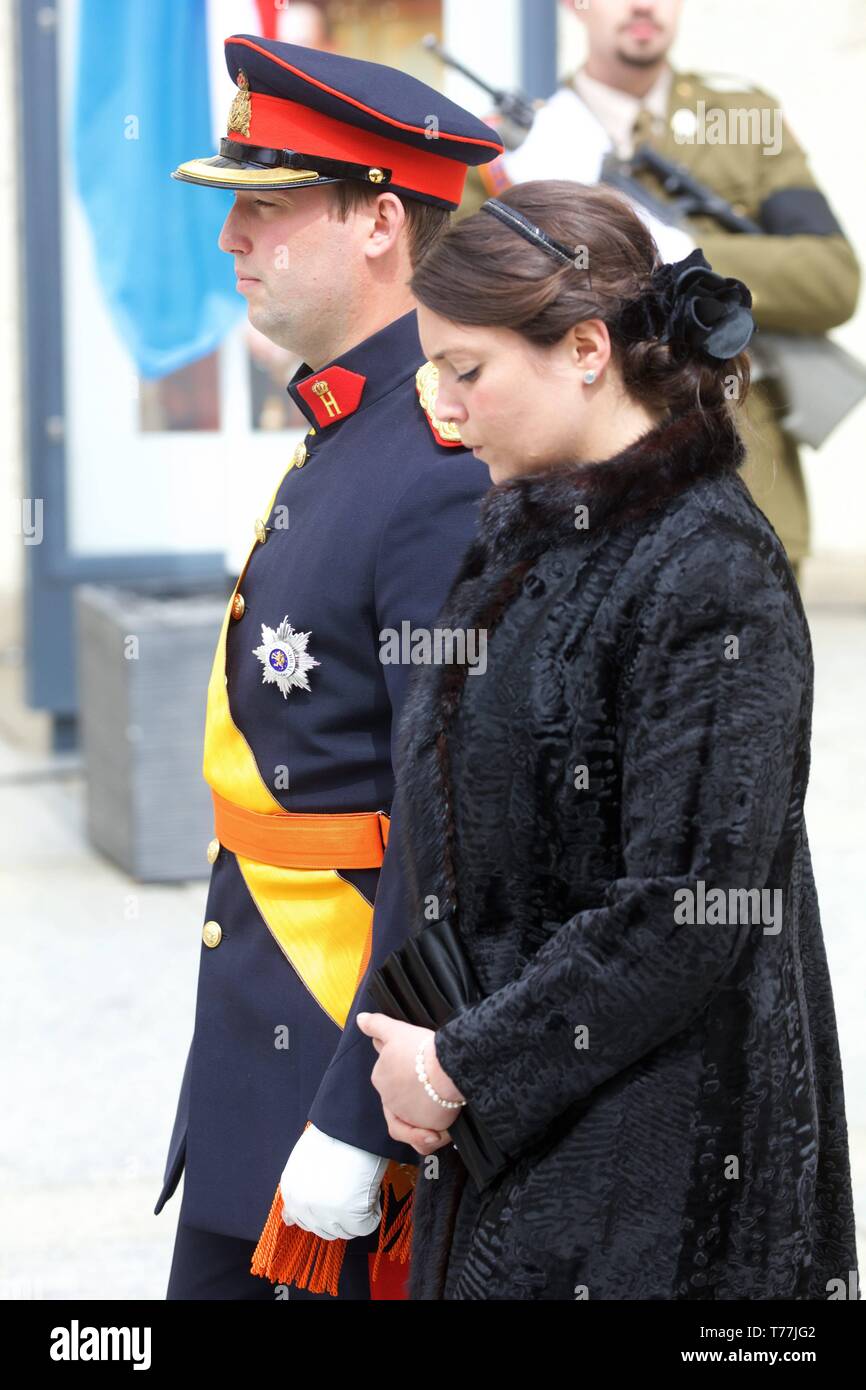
(241, 108)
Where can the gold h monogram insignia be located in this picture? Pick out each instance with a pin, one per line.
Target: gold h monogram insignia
(326, 395)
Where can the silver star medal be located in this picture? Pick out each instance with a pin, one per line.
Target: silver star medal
(284, 658)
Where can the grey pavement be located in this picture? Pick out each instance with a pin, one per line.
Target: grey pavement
(98, 986)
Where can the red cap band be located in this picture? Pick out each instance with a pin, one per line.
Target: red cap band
(287, 125)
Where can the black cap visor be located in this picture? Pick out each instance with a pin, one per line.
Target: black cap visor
(264, 167)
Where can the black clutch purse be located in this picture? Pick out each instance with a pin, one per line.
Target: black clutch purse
(427, 982)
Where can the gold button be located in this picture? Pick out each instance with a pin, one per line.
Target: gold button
(261, 531)
(211, 933)
(238, 606)
(213, 850)
(299, 457)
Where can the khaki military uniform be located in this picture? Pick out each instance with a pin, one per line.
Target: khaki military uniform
(803, 273)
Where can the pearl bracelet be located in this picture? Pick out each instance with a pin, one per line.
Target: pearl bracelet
(422, 1077)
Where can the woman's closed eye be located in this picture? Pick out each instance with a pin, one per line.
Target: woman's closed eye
(470, 376)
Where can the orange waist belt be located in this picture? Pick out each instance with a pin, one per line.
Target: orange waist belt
(293, 840)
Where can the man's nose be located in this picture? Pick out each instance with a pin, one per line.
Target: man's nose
(233, 238)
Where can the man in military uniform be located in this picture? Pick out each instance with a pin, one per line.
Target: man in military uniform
(800, 268)
(339, 188)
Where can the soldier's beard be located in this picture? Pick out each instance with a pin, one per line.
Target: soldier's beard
(642, 60)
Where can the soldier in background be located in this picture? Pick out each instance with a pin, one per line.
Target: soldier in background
(802, 271)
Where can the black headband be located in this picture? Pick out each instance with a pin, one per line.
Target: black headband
(512, 218)
(684, 301)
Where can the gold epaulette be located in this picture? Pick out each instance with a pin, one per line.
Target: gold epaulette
(427, 385)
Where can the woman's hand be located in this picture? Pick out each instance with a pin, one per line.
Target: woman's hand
(413, 1118)
(423, 1141)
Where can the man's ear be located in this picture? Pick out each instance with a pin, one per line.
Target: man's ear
(396, 208)
(388, 213)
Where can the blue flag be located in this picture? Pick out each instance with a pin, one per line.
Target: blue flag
(142, 106)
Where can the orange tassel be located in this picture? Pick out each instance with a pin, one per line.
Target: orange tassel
(290, 1255)
(397, 1181)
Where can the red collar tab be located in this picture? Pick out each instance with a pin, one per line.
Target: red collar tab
(332, 394)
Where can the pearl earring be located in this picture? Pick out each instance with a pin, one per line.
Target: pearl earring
(589, 377)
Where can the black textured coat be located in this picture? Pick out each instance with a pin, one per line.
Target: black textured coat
(671, 1094)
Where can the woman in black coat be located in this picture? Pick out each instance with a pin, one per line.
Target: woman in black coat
(610, 807)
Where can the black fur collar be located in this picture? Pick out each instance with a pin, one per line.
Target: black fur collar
(528, 515)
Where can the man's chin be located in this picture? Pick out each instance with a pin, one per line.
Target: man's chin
(274, 330)
(259, 320)
(643, 59)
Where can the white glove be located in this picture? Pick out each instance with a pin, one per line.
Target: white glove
(332, 1188)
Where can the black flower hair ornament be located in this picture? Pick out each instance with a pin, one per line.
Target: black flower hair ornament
(687, 302)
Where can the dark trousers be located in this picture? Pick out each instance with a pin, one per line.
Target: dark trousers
(210, 1266)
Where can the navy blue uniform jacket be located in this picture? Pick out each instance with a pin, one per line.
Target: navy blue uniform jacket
(378, 520)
